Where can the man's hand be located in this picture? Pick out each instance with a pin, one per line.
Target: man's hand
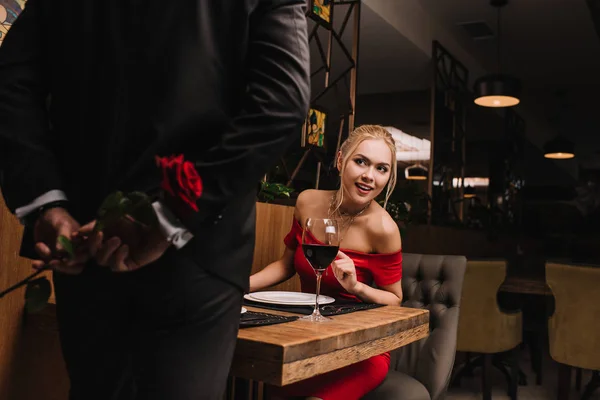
(51, 224)
(129, 245)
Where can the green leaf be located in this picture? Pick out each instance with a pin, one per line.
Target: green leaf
(144, 213)
(138, 197)
(124, 204)
(37, 295)
(273, 190)
(66, 244)
(110, 203)
(99, 225)
(112, 209)
(110, 219)
(141, 209)
(268, 197)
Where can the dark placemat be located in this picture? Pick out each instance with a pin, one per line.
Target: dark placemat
(337, 308)
(252, 318)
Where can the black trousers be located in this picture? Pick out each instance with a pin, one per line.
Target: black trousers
(166, 331)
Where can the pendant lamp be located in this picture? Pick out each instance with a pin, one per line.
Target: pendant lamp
(416, 172)
(559, 148)
(497, 89)
(469, 192)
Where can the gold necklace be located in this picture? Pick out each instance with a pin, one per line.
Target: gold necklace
(343, 216)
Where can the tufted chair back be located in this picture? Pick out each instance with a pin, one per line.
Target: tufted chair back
(435, 283)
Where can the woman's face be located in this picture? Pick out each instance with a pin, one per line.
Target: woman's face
(367, 171)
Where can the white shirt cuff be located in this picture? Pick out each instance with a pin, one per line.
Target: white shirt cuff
(173, 230)
(48, 197)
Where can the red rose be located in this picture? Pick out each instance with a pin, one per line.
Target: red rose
(180, 179)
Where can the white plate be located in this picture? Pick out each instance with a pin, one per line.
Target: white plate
(288, 298)
(244, 310)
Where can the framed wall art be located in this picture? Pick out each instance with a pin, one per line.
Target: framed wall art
(321, 11)
(314, 128)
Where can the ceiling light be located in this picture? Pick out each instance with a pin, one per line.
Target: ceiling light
(497, 90)
(559, 148)
(416, 172)
(469, 192)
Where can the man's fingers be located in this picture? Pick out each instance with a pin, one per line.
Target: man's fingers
(119, 261)
(88, 228)
(63, 230)
(95, 241)
(60, 266)
(73, 266)
(43, 250)
(106, 251)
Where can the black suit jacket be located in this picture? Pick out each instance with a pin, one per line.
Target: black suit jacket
(91, 91)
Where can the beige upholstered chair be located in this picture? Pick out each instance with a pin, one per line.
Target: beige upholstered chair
(574, 328)
(484, 328)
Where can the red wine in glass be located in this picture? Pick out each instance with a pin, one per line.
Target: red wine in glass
(320, 244)
(320, 256)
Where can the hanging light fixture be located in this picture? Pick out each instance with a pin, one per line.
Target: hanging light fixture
(559, 148)
(469, 192)
(416, 172)
(498, 89)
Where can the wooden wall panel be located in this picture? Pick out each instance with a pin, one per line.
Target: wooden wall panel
(12, 269)
(273, 222)
(12, 337)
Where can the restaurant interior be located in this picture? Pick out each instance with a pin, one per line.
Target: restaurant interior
(492, 108)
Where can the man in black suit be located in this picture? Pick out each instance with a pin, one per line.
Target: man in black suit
(90, 92)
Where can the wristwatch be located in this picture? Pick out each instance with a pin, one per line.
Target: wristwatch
(30, 219)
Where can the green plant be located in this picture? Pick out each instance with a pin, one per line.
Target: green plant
(407, 205)
(270, 191)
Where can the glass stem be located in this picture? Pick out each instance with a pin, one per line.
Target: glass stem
(319, 273)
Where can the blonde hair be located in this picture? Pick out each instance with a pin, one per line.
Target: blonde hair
(356, 137)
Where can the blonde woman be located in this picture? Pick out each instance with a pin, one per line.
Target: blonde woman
(370, 252)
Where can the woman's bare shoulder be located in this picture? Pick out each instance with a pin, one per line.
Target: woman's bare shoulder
(311, 202)
(384, 231)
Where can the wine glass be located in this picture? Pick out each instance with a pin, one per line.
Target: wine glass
(320, 244)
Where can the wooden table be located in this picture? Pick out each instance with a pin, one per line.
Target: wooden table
(285, 353)
(514, 284)
(278, 354)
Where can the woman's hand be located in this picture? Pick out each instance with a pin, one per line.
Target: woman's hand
(344, 270)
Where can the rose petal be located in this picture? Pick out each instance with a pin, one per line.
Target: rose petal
(180, 179)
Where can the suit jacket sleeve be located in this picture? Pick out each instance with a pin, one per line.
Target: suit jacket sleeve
(273, 108)
(28, 166)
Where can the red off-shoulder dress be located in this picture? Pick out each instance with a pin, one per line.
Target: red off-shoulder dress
(356, 380)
